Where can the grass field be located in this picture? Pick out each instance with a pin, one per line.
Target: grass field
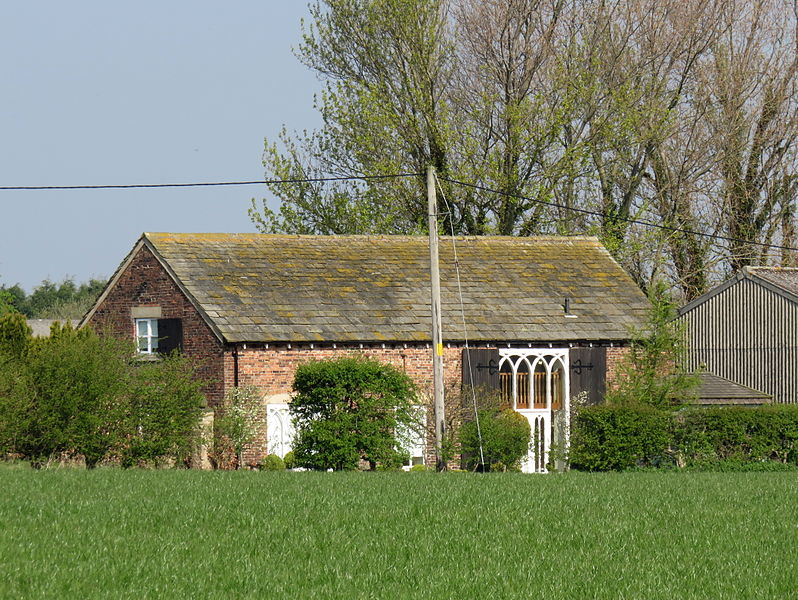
(186, 534)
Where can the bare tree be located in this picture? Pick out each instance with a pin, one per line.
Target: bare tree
(752, 87)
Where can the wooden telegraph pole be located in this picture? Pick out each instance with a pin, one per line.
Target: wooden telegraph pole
(437, 344)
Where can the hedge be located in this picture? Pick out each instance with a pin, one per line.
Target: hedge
(768, 433)
(611, 438)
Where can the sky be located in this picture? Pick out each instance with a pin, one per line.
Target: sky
(98, 92)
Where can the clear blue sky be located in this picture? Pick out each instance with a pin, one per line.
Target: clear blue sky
(98, 92)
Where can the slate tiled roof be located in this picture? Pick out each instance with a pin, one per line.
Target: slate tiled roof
(716, 390)
(276, 288)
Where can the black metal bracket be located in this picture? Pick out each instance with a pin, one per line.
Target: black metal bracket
(492, 367)
(578, 366)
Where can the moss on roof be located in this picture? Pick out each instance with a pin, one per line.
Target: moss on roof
(287, 288)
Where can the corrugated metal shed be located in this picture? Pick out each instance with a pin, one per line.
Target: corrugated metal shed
(746, 330)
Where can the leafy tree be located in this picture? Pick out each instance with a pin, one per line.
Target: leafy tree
(11, 299)
(63, 301)
(387, 66)
(15, 336)
(653, 373)
(6, 302)
(349, 410)
(667, 111)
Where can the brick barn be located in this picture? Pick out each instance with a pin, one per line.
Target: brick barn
(546, 318)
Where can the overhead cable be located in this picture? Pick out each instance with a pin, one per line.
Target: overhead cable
(641, 222)
(204, 183)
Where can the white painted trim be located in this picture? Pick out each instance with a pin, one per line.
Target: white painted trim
(540, 419)
(151, 335)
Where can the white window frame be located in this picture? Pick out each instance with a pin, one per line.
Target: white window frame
(540, 419)
(151, 336)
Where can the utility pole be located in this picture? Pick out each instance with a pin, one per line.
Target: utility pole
(437, 344)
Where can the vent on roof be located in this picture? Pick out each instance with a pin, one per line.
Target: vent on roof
(567, 308)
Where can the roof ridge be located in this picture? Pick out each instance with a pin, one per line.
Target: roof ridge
(371, 236)
(769, 268)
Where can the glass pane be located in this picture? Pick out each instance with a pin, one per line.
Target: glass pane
(142, 327)
(154, 327)
(143, 344)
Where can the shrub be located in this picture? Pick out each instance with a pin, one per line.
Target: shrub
(349, 410)
(76, 393)
(718, 438)
(234, 428)
(165, 408)
(289, 460)
(767, 433)
(607, 438)
(420, 468)
(272, 462)
(505, 440)
(78, 384)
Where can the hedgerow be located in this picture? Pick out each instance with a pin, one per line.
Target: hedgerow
(611, 438)
(79, 395)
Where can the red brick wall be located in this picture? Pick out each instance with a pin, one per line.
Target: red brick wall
(144, 282)
(272, 371)
(615, 356)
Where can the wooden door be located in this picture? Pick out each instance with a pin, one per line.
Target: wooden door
(588, 373)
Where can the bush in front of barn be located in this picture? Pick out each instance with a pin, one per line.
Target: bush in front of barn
(614, 438)
(348, 413)
(706, 436)
(272, 462)
(78, 395)
(499, 441)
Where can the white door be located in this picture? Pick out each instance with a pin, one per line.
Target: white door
(279, 429)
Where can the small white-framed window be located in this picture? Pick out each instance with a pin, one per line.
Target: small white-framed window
(147, 335)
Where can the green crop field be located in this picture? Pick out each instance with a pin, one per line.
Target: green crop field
(109, 533)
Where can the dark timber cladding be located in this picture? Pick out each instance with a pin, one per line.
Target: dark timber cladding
(746, 330)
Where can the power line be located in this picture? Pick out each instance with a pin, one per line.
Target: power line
(594, 213)
(481, 188)
(205, 183)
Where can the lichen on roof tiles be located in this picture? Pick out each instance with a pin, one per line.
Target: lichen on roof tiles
(376, 288)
